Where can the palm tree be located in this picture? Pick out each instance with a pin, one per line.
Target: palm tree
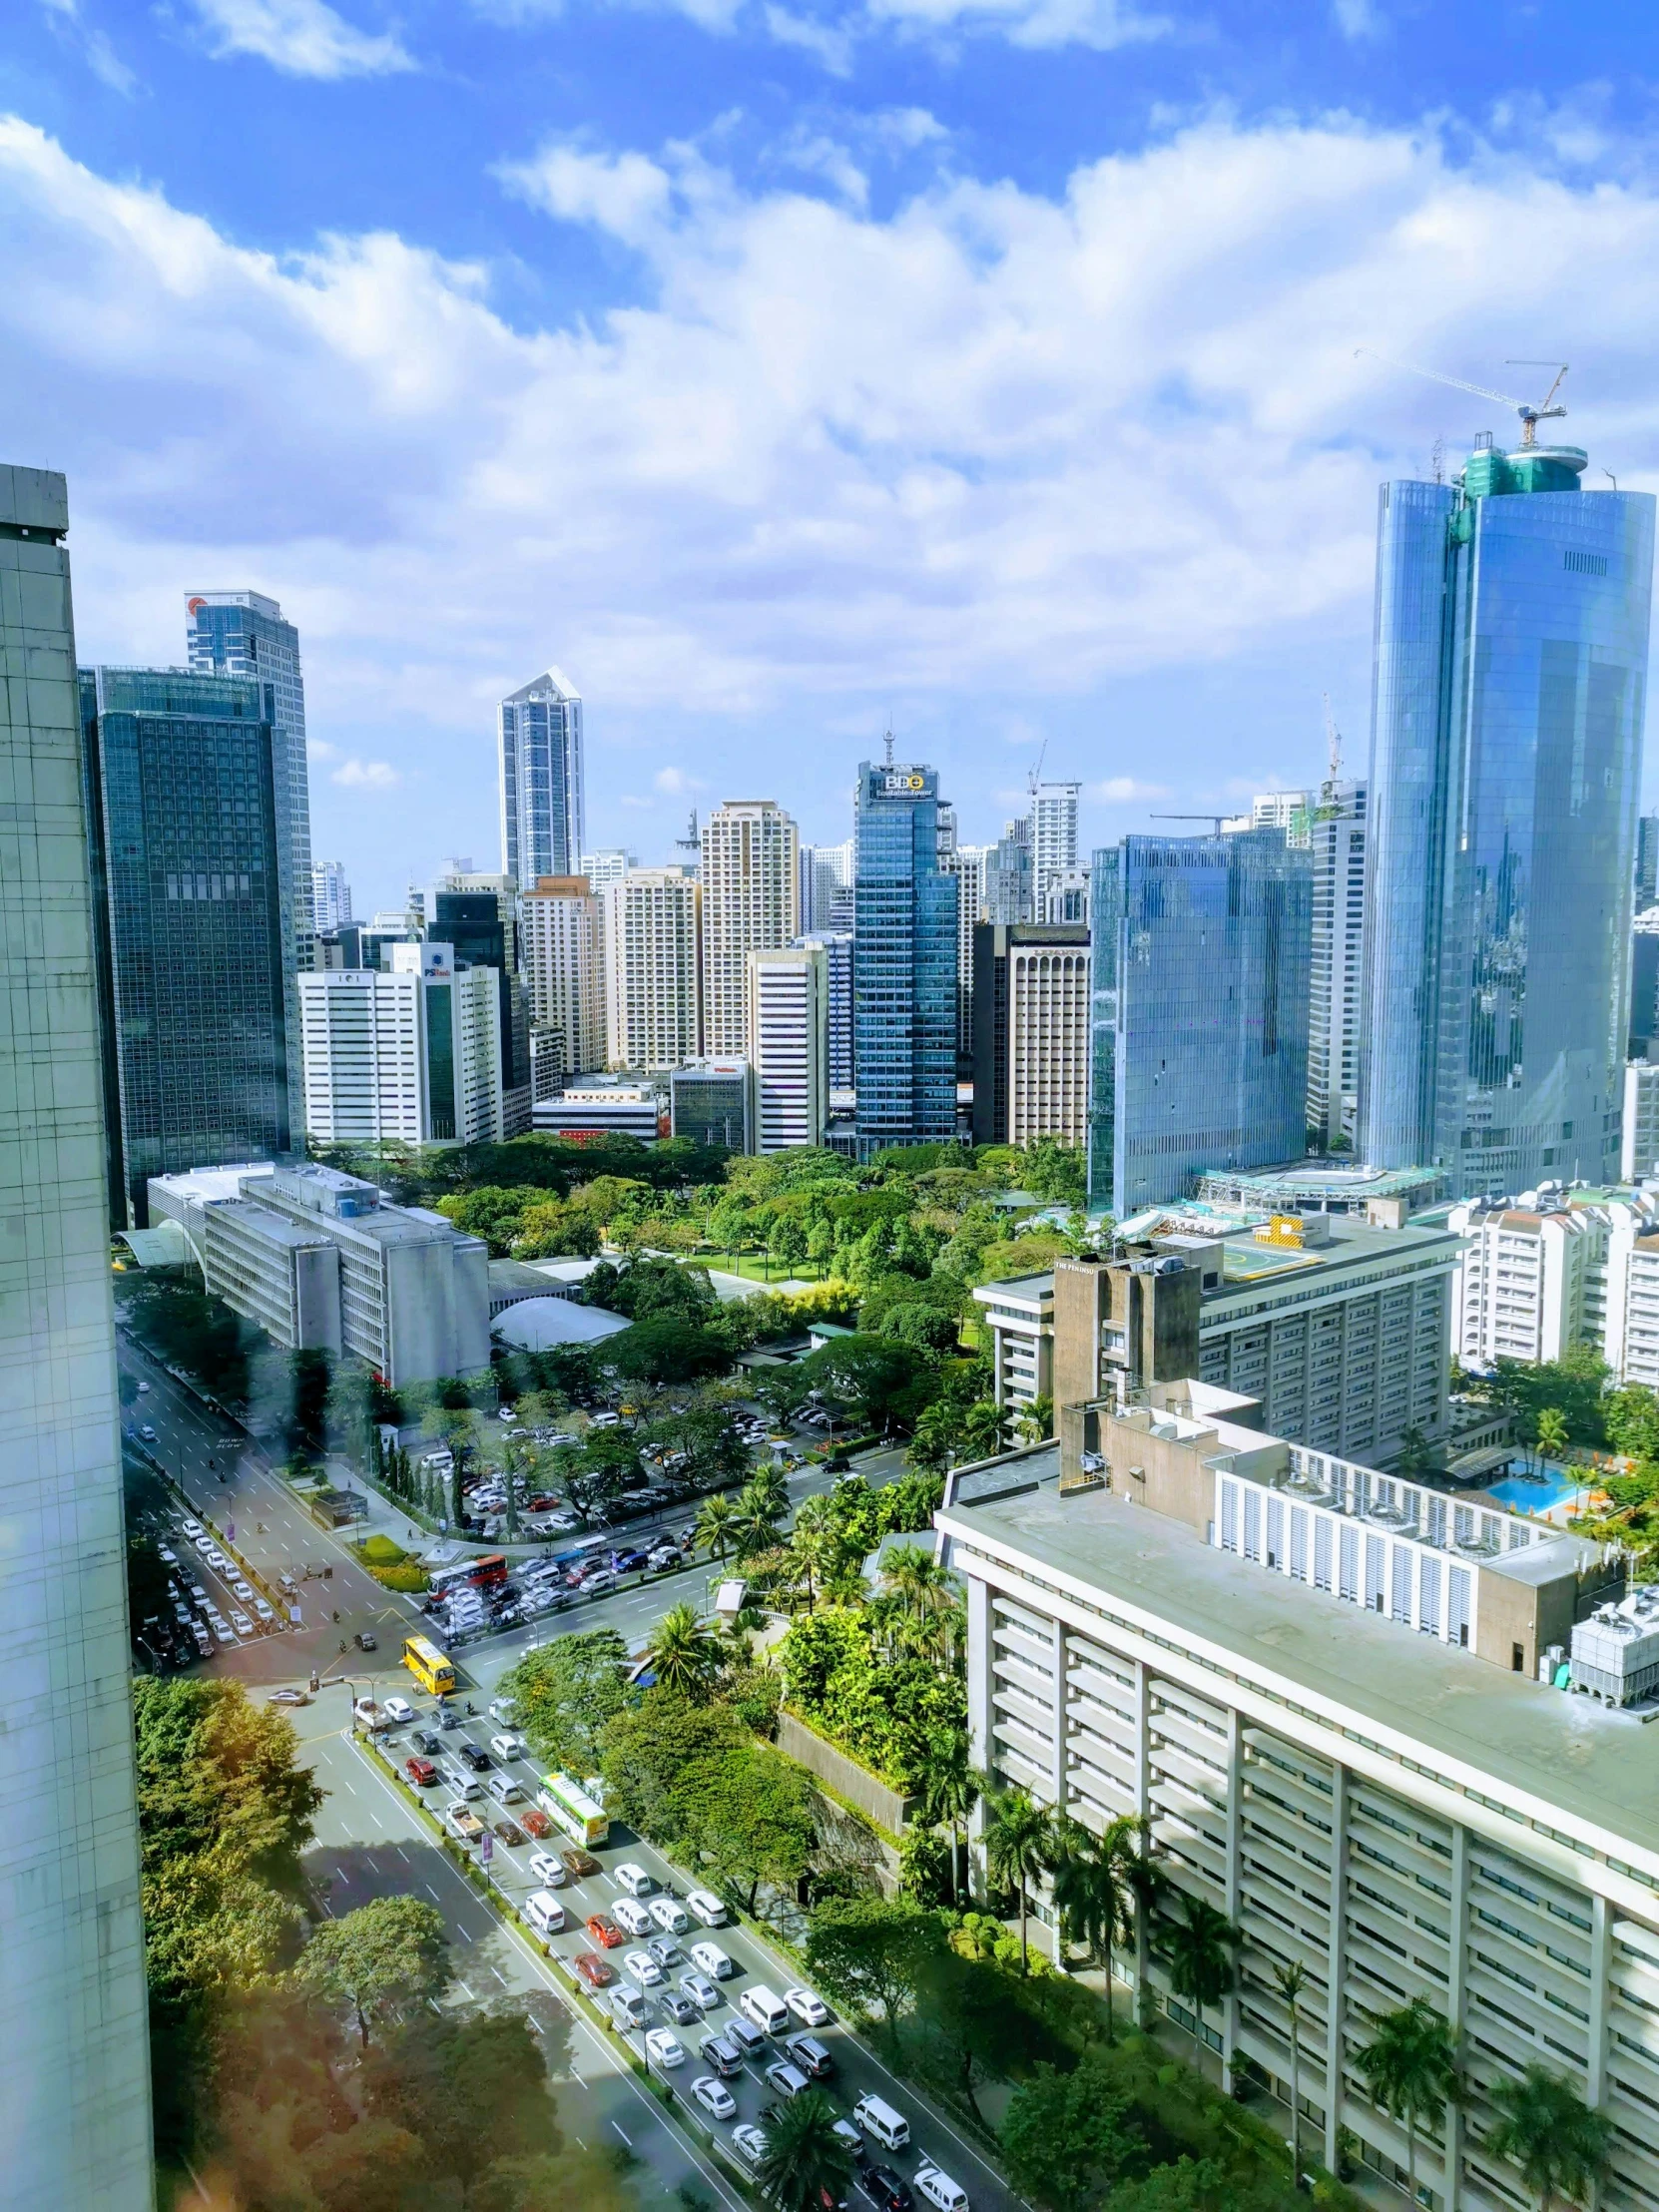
(1410, 2068)
(806, 2164)
(1019, 1849)
(1560, 2143)
(950, 1788)
(1290, 1979)
(1150, 1886)
(1199, 1949)
(1551, 1434)
(685, 1653)
(918, 1582)
(1091, 1891)
(714, 1524)
(755, 1518)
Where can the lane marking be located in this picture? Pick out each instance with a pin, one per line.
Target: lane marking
(622, 2131)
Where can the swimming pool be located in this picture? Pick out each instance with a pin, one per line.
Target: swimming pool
(1529, 1497)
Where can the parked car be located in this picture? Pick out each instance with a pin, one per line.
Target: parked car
(714, 2096)
(594, 1970)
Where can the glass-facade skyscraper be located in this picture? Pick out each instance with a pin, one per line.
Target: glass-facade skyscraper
(539, 735)
(192, 932)
(75, 2088)
(1199, 1011)
(1511, 643)
(903, 963)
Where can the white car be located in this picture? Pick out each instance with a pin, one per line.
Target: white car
(664, 2048)
(191, 1528)
(205, 1545)
(634, 1878)
(549, 1868)
(262, 1611)
(669, 1916)
(143, 1389)
(244, 1590)
(214, 1557)
(714, 2096)
(628, 1913)
(221, 1629)
(640, 1966)
(809, 2009)
(242, 1624)
(704, 1906)
(748, 2143)
(167, 1558)
(397, 1709)
(709, 1958)
(507, 1747)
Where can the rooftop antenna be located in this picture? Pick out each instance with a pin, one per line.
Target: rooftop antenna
(1436, 460)
(1530, 418)
(691, 842)
(887, 741)
(1332, 742)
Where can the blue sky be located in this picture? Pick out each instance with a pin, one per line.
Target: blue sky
(776, 366)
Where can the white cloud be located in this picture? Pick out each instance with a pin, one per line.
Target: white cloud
(365, 776)
(624, 193)
(100, 55)
(301, 37)
(1358, 19)
(1124, 791)
(674, 782)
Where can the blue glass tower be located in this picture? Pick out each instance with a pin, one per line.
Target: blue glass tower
(1510, 671)
(903, 963)
(1201, 951)
(539, 734)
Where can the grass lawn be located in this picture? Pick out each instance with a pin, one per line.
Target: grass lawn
(755, 1269)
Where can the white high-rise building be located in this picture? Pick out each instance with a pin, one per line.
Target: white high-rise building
(1048, 1039)
(1053, 837)
(1291, 812)
(564, 968)
(827, 887)
(750, 903)
(1640, 1128)
(539, 740)
(789, 1013)
(409, 1055)
(330, 896)
(75, 2090)
(967, 863)
(653, 970)
(605, 866)
(1337, 835)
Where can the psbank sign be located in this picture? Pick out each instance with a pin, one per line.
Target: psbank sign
(903, 782)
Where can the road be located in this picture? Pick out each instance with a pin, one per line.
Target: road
(371, 1841)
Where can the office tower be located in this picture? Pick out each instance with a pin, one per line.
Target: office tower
(827, 887)
(712, 1101)
(1031, 1029)
(653, 970)
(409, 1054)
(539, 736)
(1336, 838)
(241, 633)
(836, 947)
(1201, 951)
(605, 866)
(903, 963)
(478, 916)
(330, 896)
(750, 903)
(1647, 862)
(1053, 837)
(76, 2085)
(1318, 1687)
(1009, 887)
(1644, 983)
(789, 1029)
(1639, 1122)
(967, 863)
(564, 969)
(1511, 639)
(192, 929)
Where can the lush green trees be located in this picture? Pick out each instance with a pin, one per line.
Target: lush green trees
(567, 1692)
(384, 1960)
(1091, 1890)
(1067, 2137)
(187, 1329)
(950, 1787)
(872, 1955)
(806, 2164)
(971, 2033)
(1018, 1840)
(1561, 2145)
(1574, 1385)
(1199, 1946)
(666, 1349)
(714, 1530)
(684, 1653)
(1409, 2065)
(887, 1707)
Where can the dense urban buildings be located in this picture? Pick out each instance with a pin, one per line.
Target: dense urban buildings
(330, 895)
(967, 863)
(751, 862)
(788, 1030)
(1319, 1688)
(1512, 617)
(564, 971)
(1018, 1317)
(193, 896)
(1558, 1269)
(406, 1054)
(1031, 1032)
(653, 970)
(322, 1262)
(539, 742)
(478, 916)
(1200, 981)
(1337, 838)
(836, 947)
(903, 963)
(604, 1106)
(75, 2093)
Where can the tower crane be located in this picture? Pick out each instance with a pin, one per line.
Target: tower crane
(1332, 741)
(1530, 418)
(1035, 777)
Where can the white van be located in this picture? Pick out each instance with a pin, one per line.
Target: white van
(628, 1913)
(544, 1913)
(891, 2129)
(709, 1958)
(634, 1880)
(706, 1908)
(503, 1789)
(941, 2191)
(766, 2009)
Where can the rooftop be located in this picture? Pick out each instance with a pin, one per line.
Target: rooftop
(1581, 1773)
(535, 1324)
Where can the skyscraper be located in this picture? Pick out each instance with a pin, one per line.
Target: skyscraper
(564, 968)
(826, 886)
(330, 896)
(1511, 640)
(653, 970)
(539, 736)
(1031, 1032)
(1200, 983)
(1053, 839)
(1647, 862)
(1336, 838)
(407, 1054)
(967, 863)
(788, 1026)
(193, 930)
(478, 916)
(750, 903)
(903, 963)
(1009, 892)
(608, 865)
(75, 2090)
(836, 947)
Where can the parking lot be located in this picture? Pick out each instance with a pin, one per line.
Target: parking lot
(687, 2015)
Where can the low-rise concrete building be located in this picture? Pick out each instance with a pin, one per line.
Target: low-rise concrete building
(1018, 1315)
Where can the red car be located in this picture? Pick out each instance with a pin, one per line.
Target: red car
(536, 1821)
(420, 1772)
(604, 1931)
(593, 1970)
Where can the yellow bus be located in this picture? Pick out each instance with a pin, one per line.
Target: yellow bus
(428, 1666)
(574, 1811)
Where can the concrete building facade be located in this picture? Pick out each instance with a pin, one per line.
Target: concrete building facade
(653, 970)
(788, 1030)
(564, 971)
(1639, 1122)
(409, 1054)
(750, 868)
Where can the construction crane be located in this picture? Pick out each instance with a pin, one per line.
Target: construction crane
(1530, 418)
(1215, 820)
(1035, 777)
(1332, 741)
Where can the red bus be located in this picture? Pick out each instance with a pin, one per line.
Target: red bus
(490, 1571)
